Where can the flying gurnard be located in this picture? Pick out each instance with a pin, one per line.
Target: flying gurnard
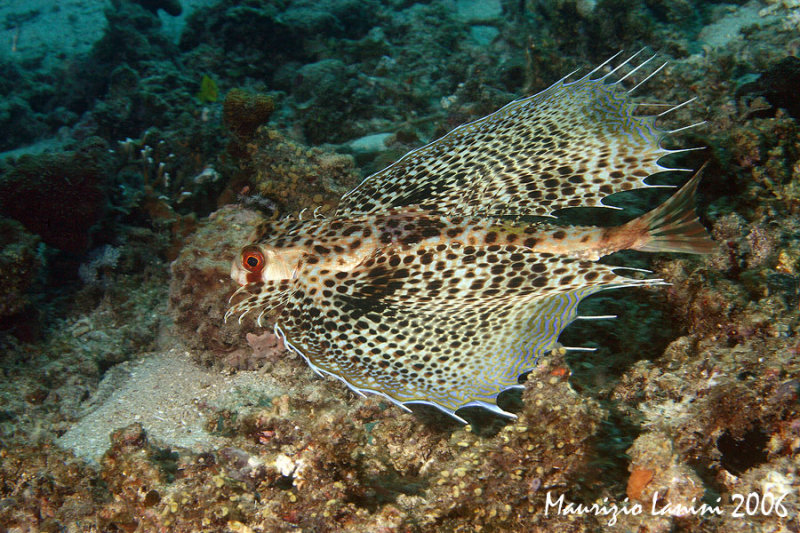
(425, 286)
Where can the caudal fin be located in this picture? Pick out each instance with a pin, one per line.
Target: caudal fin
(673, 226)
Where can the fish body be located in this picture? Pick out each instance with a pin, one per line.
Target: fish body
(341, 244)
(422, 289)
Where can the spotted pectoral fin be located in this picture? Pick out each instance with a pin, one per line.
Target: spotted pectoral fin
(571, 145)
(260, 298)
(450, 326)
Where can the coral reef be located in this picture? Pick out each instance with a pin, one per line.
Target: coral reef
(303, 461)
(58, 197)
(692, 395)
(20, 261)
(243, 112)
(198, 288)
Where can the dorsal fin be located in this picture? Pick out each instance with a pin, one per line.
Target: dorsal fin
(571, 145)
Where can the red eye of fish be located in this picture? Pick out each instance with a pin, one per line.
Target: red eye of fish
(252, 260)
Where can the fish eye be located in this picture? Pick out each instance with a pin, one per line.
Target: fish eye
(253, 260)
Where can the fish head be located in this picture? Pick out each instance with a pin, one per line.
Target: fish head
(262, 263)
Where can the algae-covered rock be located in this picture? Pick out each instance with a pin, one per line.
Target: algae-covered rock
(295, 176)
(244, 111)
(201, 282)
(19, 264)
(661, 479)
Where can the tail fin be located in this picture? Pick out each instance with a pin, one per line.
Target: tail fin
(673, 226)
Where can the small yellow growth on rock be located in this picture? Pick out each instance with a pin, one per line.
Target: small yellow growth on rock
(785, 263)
(238, 527)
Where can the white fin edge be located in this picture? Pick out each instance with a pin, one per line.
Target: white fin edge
(676, 130)
(656, 71)
(490, 407)
(441, 408)
(615, 69)
(402, 405)
(678, 106)
(670, 151)
(358, 390)
(640, 65)
(588, 76)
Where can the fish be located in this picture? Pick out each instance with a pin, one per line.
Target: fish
(443, 278)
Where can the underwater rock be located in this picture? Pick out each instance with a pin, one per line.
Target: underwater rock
(180, 416)
(19, 122)
(133, 469)
(660, 475)
(197, 294)
(321, 80)
(171, 7)
(44, 488)
(132, 35)
(58, 196)
(294, 176)
(244, 111)
(370, 144)
(372, 150)
(771, 491)
(478, 11)
(779, 85)
(19, 264)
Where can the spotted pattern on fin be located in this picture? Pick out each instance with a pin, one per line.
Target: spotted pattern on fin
(266, 297)
(417, 290)
(570, 145)
(451, 325)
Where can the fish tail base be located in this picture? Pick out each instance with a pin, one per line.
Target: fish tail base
(674, 226)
